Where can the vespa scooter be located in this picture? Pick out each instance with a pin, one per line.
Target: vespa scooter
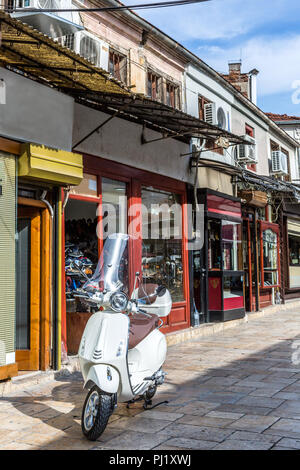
(121, 350)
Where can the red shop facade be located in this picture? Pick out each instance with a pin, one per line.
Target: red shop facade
(218, 273)
(163, 260)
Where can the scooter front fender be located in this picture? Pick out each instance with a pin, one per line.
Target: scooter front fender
(104, 376)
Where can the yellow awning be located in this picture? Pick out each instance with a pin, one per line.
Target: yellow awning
(26, 49)
(58, 167)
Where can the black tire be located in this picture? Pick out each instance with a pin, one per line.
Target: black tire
(103, 411)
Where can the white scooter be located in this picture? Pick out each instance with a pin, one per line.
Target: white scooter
(121, 350)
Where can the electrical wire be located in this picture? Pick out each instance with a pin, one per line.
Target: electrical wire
(143, 6)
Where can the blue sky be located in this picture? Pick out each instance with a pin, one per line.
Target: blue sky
(265, 34)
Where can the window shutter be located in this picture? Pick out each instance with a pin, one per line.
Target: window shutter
(7, 255)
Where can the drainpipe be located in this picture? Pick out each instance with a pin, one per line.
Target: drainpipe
(51, 237)
(58, 279)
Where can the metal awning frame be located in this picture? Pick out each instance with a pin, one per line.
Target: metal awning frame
(59, 67)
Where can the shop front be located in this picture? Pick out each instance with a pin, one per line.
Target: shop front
(261, 257)
(42, 171)
(218, 266)
(151, 209)
(291, 251)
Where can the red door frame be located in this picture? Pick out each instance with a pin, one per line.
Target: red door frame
(247, 221)
(135, 178)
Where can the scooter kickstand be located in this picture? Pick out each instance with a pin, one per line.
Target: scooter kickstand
(134, 400)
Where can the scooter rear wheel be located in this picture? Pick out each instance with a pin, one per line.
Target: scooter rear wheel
(96, 411)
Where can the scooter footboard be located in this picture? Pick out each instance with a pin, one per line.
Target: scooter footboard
(104, 376)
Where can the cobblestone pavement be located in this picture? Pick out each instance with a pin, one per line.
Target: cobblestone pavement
(236, 390)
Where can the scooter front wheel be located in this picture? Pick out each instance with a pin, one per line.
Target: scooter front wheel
(96, 411)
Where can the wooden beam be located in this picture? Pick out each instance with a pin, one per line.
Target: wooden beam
(26, 201)
(8, 371)
(10, 146)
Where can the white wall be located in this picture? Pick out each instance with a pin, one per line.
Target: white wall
(242, 116)
(35, 113)
(120, 140)
(198, 83)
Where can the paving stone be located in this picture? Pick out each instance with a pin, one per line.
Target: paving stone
(184, 443)
(260, 401)
(138, 423)
(253, 423)
(224, 414)
(285, 428)
(130, 440)
(157, 414)
(196, 432)
(231, 444)
(289, 409)
(254, 436)
(244, 410)
(204, 421)
(290, 443)
(199, 408)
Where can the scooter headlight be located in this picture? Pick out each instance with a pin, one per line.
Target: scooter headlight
(118, 301)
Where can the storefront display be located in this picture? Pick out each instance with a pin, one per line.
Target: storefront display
(115, 198)
(224, 269)
(269, 255)
(293, 229)
(162, 246)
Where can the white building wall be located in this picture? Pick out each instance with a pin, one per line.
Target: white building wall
(35, 113)
(120, 141)
(242, 116)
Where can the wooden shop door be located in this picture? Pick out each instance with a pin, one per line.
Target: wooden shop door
(28, 288)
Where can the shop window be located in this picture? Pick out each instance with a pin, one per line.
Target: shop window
(214, 245)
(162, 261)
(269, 234)
(87, 187)
(294, 257)
(114, 204)
(85, 229)
(118, 66)
(233, 293)
(232, 246)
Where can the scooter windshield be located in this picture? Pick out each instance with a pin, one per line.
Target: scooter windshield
(112, 269)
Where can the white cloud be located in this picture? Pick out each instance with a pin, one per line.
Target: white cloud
(218, 19)
(276, 59)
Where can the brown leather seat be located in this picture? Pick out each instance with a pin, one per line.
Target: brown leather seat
(140, 327)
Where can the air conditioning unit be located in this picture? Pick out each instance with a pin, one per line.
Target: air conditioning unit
(279, 163)
(215, 116)
(88, 46)
(246, 153)
(210, 113)
(43, 4)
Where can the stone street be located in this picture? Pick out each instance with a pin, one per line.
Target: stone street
(239, 389)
